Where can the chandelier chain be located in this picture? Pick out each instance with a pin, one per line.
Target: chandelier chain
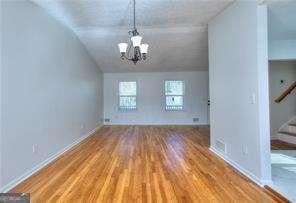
(134, 14)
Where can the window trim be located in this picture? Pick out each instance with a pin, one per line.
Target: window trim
(122, 109)
(183, 95)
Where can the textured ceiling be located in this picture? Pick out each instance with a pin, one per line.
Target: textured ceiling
(176, 30)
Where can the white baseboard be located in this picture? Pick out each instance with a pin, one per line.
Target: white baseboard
(247, 173)
(193, 124)
(42, 164)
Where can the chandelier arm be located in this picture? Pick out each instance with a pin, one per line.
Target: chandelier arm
(129, 49)
(140, 54)
(130, 59)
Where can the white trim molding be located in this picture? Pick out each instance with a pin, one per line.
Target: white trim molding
(247, 173)
(47, 161)
(263, 92)
(157, 124)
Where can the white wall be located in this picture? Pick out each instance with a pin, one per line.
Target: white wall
(282, 49)
(51, 89)
(281, 30)
(1, 100)
(238, 75)
(151, 98)
(280, 113)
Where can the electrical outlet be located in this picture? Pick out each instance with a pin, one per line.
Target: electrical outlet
(195, 119)
(34, 148)
(107, 120)
(82, 126)
(221, 146)
(245, 150)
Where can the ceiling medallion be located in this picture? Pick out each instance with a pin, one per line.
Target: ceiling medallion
(134, 51)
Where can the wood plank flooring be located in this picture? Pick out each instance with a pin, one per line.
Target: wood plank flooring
(281, 145)
(143, 164)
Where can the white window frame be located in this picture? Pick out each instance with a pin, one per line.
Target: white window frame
(122, 108)
(183, 95)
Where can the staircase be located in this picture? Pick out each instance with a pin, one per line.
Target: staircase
(287, 132)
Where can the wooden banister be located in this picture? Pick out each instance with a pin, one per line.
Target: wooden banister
(286, 92)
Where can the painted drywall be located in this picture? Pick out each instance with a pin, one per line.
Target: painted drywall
(0, 100)
(150, 98)
(282, 50)
(238, 77)
(51, 88)
(281, 30)
(282, 112)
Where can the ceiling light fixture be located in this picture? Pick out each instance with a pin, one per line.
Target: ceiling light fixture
(139, 51)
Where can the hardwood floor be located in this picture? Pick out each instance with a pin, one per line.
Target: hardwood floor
(281, 145)
(143, 164)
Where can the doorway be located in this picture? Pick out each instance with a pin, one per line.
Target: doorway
(282, 93)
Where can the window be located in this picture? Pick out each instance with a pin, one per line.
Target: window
(174, 95)
(127, 95)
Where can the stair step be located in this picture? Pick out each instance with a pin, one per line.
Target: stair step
(292, 124)
(282, 145)
(287, 133)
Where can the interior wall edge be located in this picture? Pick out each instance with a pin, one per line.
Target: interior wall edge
(263, 92)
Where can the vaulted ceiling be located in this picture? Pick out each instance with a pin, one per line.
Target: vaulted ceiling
(176, 30)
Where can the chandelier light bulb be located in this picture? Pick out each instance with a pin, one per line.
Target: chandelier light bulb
(144, 48)
(136, 40)
(122, 47)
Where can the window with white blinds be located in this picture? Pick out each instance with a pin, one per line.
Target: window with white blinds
(174, 95)
(127, 95)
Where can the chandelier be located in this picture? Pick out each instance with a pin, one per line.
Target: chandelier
(134, 51)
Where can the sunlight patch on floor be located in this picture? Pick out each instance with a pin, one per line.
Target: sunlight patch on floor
(282, 159)
(283, 170)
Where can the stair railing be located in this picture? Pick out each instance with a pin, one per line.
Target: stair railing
(286, 92)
